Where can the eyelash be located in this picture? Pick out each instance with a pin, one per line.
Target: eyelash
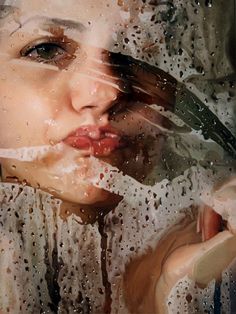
(62, 52)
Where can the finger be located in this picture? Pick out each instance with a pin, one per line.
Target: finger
(211, 223)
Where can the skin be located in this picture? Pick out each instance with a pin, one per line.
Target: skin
(54, 97)
(180, 253)
(50, 102)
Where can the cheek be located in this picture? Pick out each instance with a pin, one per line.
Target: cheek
(25, 112)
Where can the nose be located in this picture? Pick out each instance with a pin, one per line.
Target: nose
(92, 92)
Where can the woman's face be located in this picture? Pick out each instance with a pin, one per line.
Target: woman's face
(54, 90)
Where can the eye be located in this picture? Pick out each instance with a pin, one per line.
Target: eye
(45, 52)
(50, 52)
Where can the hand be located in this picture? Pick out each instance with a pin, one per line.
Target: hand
(182, 252)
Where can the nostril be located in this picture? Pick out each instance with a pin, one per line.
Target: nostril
(89, 107)
(92, 95)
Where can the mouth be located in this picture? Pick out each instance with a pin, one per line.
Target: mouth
(96, 141)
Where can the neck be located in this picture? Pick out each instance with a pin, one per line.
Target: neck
(86, 214)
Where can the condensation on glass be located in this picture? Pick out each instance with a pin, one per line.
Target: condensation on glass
(117, 153)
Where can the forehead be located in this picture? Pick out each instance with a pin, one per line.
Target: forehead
(100, 18)
(85, 11)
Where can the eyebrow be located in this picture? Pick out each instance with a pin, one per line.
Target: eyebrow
(71, 24)
(48, 21)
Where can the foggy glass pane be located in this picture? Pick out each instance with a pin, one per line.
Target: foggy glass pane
(117, 156)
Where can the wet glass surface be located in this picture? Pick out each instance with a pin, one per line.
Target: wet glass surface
(117, 153)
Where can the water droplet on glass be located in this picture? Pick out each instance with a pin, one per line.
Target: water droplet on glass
(208, 3)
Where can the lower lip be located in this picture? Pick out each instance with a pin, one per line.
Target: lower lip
(98, 148)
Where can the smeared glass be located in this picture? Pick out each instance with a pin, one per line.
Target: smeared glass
(118, 157)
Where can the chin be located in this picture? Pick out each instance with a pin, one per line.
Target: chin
(63, 187)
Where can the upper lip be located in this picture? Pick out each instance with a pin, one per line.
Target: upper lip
(95, 132)
(99, 140)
